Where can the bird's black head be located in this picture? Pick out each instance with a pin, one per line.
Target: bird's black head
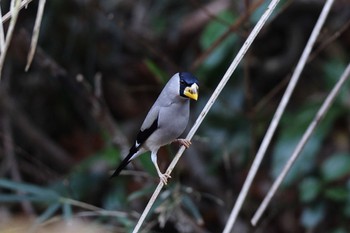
(188, 85)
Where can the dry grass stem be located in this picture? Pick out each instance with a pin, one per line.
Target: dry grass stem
(36, 31)
(15, 8)
(2, 34)
(276, 118)
(94, 210)
(319, 116)
(244, 191)
(8, 15)
(209, 104)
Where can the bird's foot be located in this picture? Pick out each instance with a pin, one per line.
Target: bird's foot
(185, 142)
(164, 178)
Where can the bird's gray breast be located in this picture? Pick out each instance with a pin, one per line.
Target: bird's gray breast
(172, 122)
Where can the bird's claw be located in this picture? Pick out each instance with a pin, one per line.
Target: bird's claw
(164, 178)
(185, 142)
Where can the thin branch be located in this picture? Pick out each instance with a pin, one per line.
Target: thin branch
(94, 210)
(285, 99)
(36, 31)
(198, 18)
(317, 119)
(101, 112)
(229, 31)
(9, 152)
(327, 41)
(8, 15)
(266, 99)
(209, 104)
(33, 134)
(10, 156)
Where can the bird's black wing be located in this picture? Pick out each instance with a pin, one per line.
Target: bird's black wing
(144, 134)
(140, 139)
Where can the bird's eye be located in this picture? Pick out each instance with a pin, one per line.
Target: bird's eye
(182, 82)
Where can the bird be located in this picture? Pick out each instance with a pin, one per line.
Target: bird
(165, 122)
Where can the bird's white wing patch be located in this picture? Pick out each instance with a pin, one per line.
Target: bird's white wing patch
(137, 144)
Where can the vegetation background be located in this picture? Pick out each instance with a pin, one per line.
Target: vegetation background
(67, 122)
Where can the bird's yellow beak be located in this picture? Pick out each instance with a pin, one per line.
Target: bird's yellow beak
(192, 91)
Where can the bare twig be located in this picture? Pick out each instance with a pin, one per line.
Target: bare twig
(285, 99)
(34, 135)
(197, 19)
(36, 31)
(329, 40)
(319, 116)
(102, 113)
(11, 158)
(208, 106)
(230, 30)
(335, 35)
(265, 100)
(96, 210)
(8, 15)
(9, 148)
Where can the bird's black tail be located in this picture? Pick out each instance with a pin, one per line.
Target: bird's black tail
(125, 162)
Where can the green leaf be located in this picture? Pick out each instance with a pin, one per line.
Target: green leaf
(306, 161)
(156, 71)
(214, 30)
(340, 230)
(49, 212)
(116, 198)
(29, 189)
(293, 126)
(347, 205)
(108, 153)
(148, 165)
(11, 198)
(336, 166)
(312, 216)
(140, 193)
(332, 69)
(309, 189)
(192, 209)
(67, 211)
(254, 18)
(337, 193)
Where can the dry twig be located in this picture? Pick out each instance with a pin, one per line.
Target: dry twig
(319, 116)
(15, 8)
(2, 34)
(36, 31)
(8, 15)
(230, 30)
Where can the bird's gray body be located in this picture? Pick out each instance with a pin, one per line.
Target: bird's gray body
(172, 112)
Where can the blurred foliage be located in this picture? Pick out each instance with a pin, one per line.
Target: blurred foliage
(64, 130)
